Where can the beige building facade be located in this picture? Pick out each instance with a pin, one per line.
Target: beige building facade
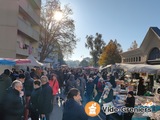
(148, 52)
(19, 28)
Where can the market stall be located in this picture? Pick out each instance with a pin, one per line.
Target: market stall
(5, 61)
(22, 61)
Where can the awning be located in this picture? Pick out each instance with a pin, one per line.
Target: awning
(22, 61)
(33, 62)
(4, 61)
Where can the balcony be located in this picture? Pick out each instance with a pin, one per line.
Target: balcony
(25, 51)
(26, 8)
(21, 51)
(28, 30)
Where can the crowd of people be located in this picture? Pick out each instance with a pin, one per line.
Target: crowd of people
(25, 94)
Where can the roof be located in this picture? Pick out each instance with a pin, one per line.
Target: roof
(156, 30)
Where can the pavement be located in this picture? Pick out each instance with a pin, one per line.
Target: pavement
(57, 112)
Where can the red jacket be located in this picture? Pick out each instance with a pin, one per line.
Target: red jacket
(54, 85)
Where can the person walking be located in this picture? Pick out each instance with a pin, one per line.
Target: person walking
(45, 99)
(33, 103)
(100, 87)
(5, 82)
(89, 89)
(14, 104)
(53, 83)
(28, 88)
(73, 109)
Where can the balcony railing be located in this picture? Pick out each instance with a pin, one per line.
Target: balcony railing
(21, 51)
(29, 10)
(28, 30)
(25, 51)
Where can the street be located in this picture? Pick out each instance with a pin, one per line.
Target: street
(58, 112)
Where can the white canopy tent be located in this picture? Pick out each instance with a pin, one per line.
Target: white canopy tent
(33, 62)
(139, 68)
(124, 66)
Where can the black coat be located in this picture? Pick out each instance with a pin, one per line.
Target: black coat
(28, 85)
(130, 101)
(141, 89)
(73, 111)
(89, 88)
(34, 105)
(5, 82)
(13, 105)
(45, 99)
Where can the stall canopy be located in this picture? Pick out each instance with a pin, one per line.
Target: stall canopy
(4, 61)
(124, 66)
(19, 61)
(33, 62)
(139, 68)
(22, 61)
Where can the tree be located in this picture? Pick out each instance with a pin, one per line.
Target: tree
(59, 32)
(95, 44)
(110, 54)
(119, 47)
(84, 63)
(133, 46)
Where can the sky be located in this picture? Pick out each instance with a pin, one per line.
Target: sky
(123, 20)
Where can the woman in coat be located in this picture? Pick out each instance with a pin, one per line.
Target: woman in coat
(73, 109)
(53, 83)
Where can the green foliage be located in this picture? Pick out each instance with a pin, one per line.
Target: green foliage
(110, 54)
(96, 45)
(84, 63)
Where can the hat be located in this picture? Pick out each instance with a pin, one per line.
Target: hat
(131, 93)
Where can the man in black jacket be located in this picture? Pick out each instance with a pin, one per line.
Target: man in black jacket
(45, 100)
(33, 104)
(13, 104)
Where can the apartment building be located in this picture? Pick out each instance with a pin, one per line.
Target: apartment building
(19, 28)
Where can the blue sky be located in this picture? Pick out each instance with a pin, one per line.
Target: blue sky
(124, 20)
